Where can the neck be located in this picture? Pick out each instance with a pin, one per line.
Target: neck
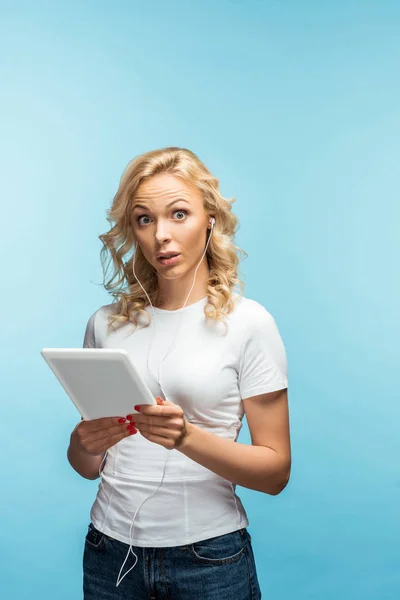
(173, 292)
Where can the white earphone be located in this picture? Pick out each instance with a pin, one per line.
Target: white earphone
(158, 380)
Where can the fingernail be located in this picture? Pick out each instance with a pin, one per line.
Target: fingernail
(137, 407)
(131, 426)
(121, 420)
(130, 417)
(133, 431)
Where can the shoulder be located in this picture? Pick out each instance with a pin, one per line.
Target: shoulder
(97, 326)
(253, 314)
(99, 318)
(257, 326)
(108, 309)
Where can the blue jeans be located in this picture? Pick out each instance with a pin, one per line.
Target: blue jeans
(220, 568)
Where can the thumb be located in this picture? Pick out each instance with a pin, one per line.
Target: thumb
(162, 402)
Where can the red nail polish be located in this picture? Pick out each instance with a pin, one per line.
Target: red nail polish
(133, 432)
(137, 407)
(130, 417)
(122, 420)
(131, 426)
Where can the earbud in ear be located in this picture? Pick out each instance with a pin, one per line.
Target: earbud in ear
(212, 221)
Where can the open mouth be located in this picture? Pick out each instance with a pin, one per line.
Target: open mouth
(170, 259)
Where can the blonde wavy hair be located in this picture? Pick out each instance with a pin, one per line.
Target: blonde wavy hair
(119, 241)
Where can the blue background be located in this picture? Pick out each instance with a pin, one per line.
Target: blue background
(295, 107)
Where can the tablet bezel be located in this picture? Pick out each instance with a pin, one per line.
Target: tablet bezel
(85, 405)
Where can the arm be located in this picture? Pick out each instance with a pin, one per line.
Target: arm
(83, 463)
(265, 465)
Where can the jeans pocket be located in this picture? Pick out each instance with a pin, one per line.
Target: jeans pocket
(223, 549)
(94, 538)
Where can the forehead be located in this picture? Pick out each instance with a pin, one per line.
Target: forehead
(167, 186)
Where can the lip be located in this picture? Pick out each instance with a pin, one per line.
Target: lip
(161, 254)
(168, 261)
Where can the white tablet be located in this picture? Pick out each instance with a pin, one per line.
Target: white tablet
(101, 382)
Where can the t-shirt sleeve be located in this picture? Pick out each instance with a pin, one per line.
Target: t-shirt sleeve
(263, 363)
(89, 340)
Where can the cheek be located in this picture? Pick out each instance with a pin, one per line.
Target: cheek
(193, 239)
(145, 248)
(142, 240)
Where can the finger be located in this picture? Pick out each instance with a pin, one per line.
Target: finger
(110, 432)
(164, 402)
(171, 422)
(158, 439)
(102, 436)
(113, 439)
(143, 408)
(165, 410)
(100, 445)
(101, 424)
(160, 431)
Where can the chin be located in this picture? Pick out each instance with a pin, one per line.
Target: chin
(170, 275)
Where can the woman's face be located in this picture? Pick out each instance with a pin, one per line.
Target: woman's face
(169, 216)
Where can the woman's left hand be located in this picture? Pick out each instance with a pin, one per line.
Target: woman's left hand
(163, 424)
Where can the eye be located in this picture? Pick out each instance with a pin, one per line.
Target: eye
(181, 211)
(141, 217)
(175, 211)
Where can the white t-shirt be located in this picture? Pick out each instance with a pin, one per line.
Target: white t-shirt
(209, 369)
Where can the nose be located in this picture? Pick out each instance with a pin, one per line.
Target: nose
(162, 234)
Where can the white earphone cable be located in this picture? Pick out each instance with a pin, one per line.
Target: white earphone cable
(119, 579)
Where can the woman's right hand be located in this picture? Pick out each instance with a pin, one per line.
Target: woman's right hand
(96, 436)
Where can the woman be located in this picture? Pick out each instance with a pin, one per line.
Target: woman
(166, 522)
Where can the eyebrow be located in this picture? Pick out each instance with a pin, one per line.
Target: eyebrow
(170, 204)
